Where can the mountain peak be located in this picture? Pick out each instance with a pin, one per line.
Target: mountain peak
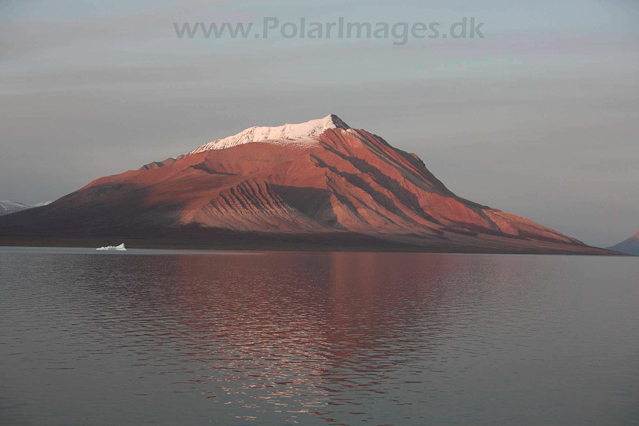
(306, 132)
(336, 121)
(629, 246)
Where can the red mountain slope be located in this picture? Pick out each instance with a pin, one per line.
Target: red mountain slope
(315, 179)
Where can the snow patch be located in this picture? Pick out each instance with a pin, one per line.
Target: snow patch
(8, 206)
(289, 134)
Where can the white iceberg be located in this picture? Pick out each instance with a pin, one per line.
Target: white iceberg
(118, 248)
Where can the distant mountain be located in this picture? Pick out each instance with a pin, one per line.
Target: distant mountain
(319, 183)
(8, 206)
(629, 246)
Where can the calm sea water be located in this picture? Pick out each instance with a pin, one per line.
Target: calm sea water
(149, 337)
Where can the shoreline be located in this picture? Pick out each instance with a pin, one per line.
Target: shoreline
(287, 244)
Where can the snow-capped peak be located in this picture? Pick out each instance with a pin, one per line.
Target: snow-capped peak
(8, 206)
(13, 203)
(307, 132)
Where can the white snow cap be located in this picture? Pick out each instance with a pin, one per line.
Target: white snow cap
(303, 133)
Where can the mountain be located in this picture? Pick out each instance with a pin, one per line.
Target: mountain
(319, 184)
(629, 246)
(8, 206)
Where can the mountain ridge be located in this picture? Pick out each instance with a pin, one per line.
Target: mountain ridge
(287, 134)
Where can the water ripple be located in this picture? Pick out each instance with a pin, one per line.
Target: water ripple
(337, 338)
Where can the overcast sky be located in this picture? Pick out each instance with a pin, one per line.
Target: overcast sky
(539, 118)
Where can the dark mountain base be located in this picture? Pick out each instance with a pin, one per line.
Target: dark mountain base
(220, 239)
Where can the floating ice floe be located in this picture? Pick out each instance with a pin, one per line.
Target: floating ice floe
(118, 248)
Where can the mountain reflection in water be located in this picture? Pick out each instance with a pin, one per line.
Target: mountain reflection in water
(387, 338)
